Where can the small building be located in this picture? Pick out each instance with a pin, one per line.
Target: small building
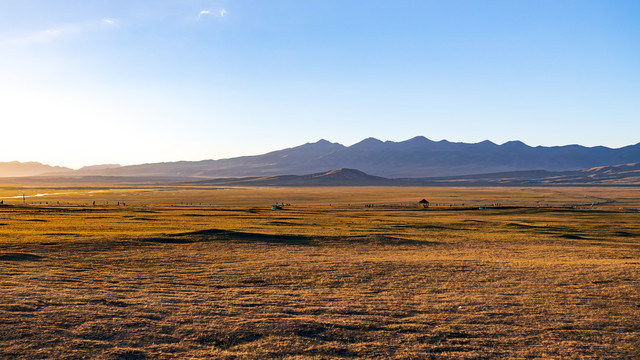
(424, 203)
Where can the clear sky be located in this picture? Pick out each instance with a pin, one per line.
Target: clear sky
(130, 81)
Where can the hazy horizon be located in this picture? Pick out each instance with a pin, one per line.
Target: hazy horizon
(85, 83)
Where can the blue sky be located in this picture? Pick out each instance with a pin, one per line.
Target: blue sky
(88, 82)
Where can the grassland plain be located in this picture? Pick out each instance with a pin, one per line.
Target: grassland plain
(190, 272)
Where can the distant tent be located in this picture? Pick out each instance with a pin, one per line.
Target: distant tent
(424, 203)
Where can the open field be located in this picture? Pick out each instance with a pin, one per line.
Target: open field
(196, 272)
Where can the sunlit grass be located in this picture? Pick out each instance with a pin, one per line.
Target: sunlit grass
(326, 278)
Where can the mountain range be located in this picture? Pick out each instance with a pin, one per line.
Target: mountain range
(418, 157)
(619, 175)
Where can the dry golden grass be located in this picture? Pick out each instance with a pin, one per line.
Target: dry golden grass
(161, 279)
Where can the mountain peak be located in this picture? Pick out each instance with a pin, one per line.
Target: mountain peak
(419, 139)
(515, 143)
(371, 140)
(368, 141)
(323, 143)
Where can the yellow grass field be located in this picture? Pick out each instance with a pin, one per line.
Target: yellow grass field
(159, 272)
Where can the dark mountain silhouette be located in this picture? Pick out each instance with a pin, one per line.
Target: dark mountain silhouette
(15, 168)
(416, 157)
(419, 157)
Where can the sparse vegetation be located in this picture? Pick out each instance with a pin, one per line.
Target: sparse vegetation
(327, 278)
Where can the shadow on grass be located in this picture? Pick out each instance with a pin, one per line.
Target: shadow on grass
(332, 339)
(573, 237)
(19, 257)
(286, 239)
(128, 354)
(564, 232)
(427, 227)
(624, 234)
(526, 226)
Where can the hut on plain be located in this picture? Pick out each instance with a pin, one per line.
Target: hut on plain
(424, 203)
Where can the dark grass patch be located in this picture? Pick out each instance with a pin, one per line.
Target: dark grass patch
(114, 303)
(37, 220)
(19, 257)
(561, 231)
(61, 234)
(572, 237)
(281, 223)
(20, 308)
(252, 210)
(143, 219)
(525, 226)
(128, 354)
(67, 209)
(228, 235)
(426, 227)
(602, 281)
(384, 240)
(168, 240)
(625, 234)
(227, 338)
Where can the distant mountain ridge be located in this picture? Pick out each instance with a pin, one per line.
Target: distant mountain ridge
(416, 157)
(17, 169)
